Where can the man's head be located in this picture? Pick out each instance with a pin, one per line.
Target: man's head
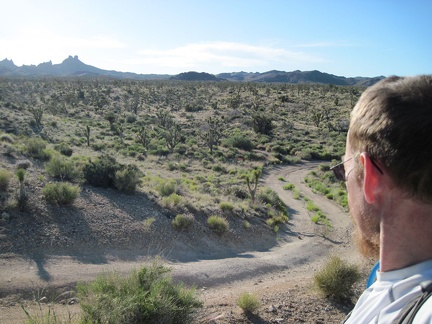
(392, 122)
(390, 137)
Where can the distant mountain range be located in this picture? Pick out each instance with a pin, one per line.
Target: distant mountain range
(73, 67)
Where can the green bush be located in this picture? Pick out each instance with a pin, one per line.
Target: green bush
(127, 179)
(5, 177)
(167, 187)
(172, 200)
(336, 279)
(62, 168)
(146, 296)
(239, 141)
(226, 206)
(248, 302)
(219, 168)
(311, 206)
(289, 186)
(64, 149)
(268, 196)
(102, 172)
(36, 148)
(183, 221)
(218, 224)
(8, 138)
(61, 193)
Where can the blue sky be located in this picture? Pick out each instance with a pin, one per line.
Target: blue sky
(348, 38)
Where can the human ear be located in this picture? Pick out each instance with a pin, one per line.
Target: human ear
(371, 179)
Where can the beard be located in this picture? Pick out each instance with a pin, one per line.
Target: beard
(366, 234)
(367, 246)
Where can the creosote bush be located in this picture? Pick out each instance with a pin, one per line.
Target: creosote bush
(61, 193)
(167, 187)
(5, 177)
(336, 279)
(183, 221)
(62, 168)
(101, 173)
(127, 179)
(248, 302)
(226, 206)
(146, 296)
(107, 172)
(218, 224)
(36, 148)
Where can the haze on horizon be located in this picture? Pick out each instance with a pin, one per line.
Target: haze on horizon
(367, 38)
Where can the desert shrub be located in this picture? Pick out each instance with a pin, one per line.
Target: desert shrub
(102, 172)
(62, 168)
(148, 222)
(36, 148)
(268, 196)
(246, 224)
(172, 166)
(171, 200)
(166, 187)
(336, 279)
(183, 221)
(219, 168)
(296, 194)
(240, 192)
(146, 296)
(64, 149)
(218, 224)
(311, 206)
(248, 302)
(98, 146)
(226, 206)
(289, 186)
(7, 138)
(277, 219)
(5, 177)
(127, 178)
(61, 193)
(181, 149)
(23, 164)
(239, 141)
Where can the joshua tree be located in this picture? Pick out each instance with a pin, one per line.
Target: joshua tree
(37, 114)
(252, 178)
(87, 134)
(213, 133)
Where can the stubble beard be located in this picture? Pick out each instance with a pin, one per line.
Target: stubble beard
(368, 247)
(367, 240)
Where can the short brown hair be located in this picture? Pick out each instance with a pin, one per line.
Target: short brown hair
(392, 121)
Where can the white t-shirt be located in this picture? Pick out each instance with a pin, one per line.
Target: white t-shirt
(383, 301)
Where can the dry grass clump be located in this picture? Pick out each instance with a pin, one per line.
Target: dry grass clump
(336, 279)
(248, 302)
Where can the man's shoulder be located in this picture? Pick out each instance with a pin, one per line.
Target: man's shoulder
(424, 314)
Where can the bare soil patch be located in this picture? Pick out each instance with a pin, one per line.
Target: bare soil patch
(108, 231)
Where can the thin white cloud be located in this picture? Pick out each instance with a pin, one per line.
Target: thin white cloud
(327, 44)
(222, 55)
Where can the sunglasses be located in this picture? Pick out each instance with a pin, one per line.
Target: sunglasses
(339, 169)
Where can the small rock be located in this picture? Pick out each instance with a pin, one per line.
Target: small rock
(73, 301)
(272, 309)
(5, 216)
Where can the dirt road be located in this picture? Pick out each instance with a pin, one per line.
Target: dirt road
(302, 248)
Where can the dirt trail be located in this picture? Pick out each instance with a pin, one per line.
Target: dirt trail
(301, 249)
